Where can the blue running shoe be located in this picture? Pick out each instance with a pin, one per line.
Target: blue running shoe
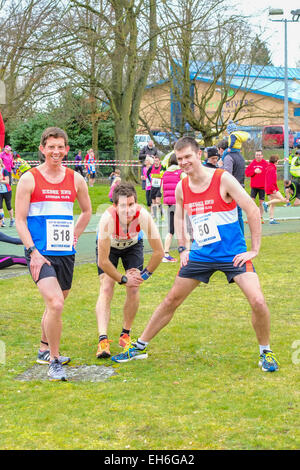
(265, 206)
(273, 222)
(268, 361)
(56, 371)
(130, 352)
(43, 357)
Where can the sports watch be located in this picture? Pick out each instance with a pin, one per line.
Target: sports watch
(31, 249)
(124, 280)
(181, 249)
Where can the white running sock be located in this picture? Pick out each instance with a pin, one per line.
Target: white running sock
(261, 348)
(140, 344)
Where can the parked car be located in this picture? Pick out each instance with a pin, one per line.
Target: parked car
(141, 140)
(273, 136)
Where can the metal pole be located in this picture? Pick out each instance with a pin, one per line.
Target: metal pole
(286, 107)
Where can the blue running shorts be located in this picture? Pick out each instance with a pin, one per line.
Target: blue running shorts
(202, 271)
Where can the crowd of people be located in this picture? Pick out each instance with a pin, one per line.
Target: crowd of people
(203, 196)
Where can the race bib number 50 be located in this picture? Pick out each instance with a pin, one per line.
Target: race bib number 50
(60, 234)
(205, 229)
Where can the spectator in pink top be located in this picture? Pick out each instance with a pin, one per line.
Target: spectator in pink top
(8, 161)
(117, 180)
(146, 182)
(170, 179)
(257, 172)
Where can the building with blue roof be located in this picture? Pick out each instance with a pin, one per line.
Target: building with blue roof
(255, 95)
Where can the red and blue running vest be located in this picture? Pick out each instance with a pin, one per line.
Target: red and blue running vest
(50, 216)
(216, 229)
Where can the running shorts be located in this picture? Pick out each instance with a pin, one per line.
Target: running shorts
(202, 271)
(131, 257)
(62, 267)
(261, 193)
(155, 192)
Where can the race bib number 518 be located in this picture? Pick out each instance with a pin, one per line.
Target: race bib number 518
(205, 229)
(60, 234)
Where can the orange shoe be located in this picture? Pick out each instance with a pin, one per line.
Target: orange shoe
(262, 221)
(103, 351)
(124, 340)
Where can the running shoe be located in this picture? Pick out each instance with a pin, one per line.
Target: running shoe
(43, 357)
(103, 351)
(124, 340)
(268, 361)
(262, 221)
(12, 222)
(56, 371)
(288, 204)
(273, 222)
(169, 259)
(265, 206)
(130, 352)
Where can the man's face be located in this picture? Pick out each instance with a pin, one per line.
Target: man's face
(54, 150)
(126, 209)
(213, 160)
(258, 156)
(188, 159)
(150, 144)
(156, 161)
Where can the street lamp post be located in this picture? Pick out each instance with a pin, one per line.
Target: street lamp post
(295, 17)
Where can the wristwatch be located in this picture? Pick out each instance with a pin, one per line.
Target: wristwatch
(31, 249)
(181, 249)
(123, 280)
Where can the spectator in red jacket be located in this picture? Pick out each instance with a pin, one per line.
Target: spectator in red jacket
(257, 172)
(271, 188)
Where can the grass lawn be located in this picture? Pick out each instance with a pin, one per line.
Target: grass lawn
(200, 388)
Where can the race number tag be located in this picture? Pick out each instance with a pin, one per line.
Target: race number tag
(156, 182)
(60, 234)
(205, 229)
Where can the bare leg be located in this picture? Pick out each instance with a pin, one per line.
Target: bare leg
(44, 347)
(103, 303)
(168, 242)
(54, 300)
(131, 306)
(249, 284)
(163, 314)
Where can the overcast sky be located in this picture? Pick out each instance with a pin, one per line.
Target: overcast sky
(274, 32)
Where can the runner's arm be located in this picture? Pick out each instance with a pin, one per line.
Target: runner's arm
(22, 202)
(233, 188)
(153, 236)
(106, 226)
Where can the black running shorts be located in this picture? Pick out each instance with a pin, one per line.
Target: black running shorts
(155, 192)
(203, 271)
(261, 193)
(131, 257)
(61, 267)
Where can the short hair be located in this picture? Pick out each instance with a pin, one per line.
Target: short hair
(222, 144)
(187, 141)
(258, 151)
(273, 158)
(173, 159)
(55, 132)
(118, 171)
(124, 189)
